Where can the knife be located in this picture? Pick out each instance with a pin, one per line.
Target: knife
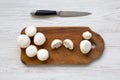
(59, 13)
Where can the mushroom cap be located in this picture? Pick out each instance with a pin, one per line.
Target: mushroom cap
(30, 31)
(23, 41)
(31, 51)
(87, 35)
(85, 46)
(42, 54)
(39, 39)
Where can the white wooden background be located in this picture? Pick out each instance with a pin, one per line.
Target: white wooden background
(105, 20)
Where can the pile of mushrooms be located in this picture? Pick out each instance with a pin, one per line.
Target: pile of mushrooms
(24, 41)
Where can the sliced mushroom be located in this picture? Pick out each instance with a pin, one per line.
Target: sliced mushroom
(56, 43)
(68, 44)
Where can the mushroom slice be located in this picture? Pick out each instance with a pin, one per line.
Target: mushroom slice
(56, 43)
(68, 44)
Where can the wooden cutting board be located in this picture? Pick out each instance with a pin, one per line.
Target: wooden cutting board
(63, 55)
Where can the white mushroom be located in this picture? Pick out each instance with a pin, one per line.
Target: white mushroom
(42, 54)
(87, 35)
(39, 39)
(85, 46)
(68, 44)
(31, 51)
(23, 41)
(56, 43)
(30, 31)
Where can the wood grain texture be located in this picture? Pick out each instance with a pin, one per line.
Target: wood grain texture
(63, 55)
(105, 20)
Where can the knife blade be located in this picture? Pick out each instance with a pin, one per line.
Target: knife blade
(59, 13)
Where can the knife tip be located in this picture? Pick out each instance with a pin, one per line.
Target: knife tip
(88, 13)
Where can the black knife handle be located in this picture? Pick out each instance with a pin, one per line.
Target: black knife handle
(45, 12)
